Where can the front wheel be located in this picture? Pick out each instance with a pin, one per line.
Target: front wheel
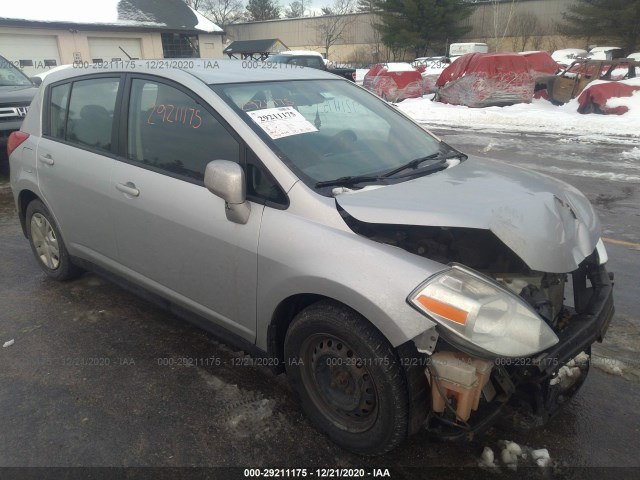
(348, 378)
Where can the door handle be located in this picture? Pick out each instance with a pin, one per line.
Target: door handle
(46, 159)
(129, 188)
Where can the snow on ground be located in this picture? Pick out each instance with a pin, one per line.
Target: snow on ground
(540, 116)
(511, 454)
(633, 154)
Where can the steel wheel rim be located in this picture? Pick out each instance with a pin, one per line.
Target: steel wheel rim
(45, 241)
(339, 383)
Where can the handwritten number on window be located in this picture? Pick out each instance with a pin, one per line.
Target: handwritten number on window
(172, 114)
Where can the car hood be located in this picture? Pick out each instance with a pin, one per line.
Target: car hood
(549, 224)
(17, 93)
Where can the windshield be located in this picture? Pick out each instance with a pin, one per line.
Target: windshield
(330, 129)
(10, 76)
(278, 59)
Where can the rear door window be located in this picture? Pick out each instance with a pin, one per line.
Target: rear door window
(91, 113)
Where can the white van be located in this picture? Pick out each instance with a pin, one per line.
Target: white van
(457, 49)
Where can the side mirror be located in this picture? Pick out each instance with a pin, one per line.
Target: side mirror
(37, 81)
(225, 179)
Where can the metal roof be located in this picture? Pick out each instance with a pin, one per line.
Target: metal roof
(171, 15)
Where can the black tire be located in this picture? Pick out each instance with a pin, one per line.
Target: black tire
(58, 266)
(348, 378)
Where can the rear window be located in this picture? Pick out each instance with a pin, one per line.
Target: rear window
(90, 116)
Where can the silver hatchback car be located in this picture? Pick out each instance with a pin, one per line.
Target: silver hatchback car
(401, 284)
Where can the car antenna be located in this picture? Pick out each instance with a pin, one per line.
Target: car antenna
(129, 56)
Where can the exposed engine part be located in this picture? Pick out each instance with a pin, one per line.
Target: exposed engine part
(457, 379)
(476, 248)
(543, 291)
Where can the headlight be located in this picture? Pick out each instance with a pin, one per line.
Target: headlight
(483, 313)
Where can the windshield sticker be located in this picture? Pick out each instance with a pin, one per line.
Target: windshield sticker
(282, 122)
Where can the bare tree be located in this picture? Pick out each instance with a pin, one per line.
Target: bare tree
(222, 12)
(502, 15)
(294, 10)
(332, 26)
(525, 27)
(367, 6)
(375, 40)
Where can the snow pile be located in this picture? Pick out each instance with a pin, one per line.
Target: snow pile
(633, 154)
(632, 102)
(608, 365)
(399, 67)
(487, 458)
(69, 11)
(541, 457)
(105, 12)
(511, 453)
(569, 373)
(539, 116)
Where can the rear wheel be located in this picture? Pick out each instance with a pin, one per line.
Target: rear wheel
(348, 378)
(46, 243)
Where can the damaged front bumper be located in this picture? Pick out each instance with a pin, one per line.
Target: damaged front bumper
(523, 391)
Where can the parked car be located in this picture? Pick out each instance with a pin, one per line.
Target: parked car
(430, 69)
(595, 97)
(486, 79)
(541, 66)
(605, 53)
(397, 281)
(568, 84)
(311, 59)
(16, 93)
(458, 49)
(394, 81)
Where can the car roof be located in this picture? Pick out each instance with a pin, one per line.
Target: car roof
(300, 52)
(209, 71)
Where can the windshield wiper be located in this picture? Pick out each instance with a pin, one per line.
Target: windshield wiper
(350, 180)
(442, 159)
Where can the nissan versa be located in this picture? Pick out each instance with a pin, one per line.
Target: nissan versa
(401, 284)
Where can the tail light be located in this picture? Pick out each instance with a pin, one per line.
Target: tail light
(15, 140)
(353, 75)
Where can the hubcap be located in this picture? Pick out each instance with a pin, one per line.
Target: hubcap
(45, 241)
(339, 383)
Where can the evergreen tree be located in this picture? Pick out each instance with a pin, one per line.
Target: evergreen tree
(617, 21)
(262, 10)
(419, 25)
(295, 10)
(366, 6)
